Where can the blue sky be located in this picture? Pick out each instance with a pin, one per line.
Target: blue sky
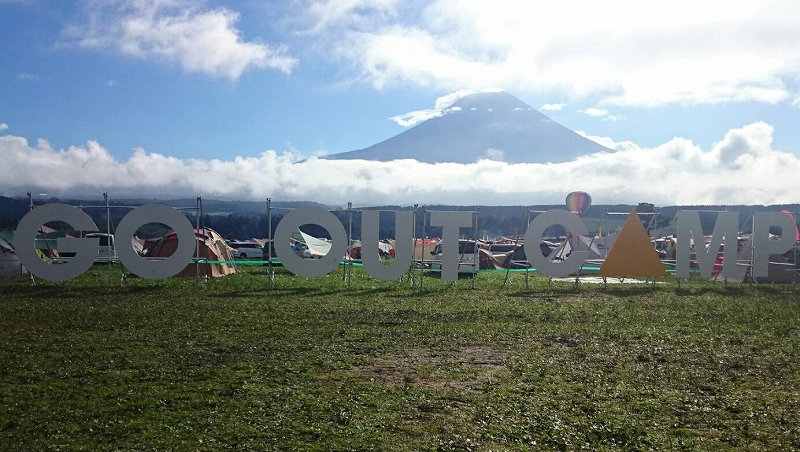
(216, 98)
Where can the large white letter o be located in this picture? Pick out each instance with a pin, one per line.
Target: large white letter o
(156, 269)
(310, 268)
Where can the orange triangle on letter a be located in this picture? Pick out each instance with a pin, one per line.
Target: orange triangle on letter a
(632, 253)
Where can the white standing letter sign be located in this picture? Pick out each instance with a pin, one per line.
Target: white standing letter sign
(310, 268)
(451, 223)
(85, 249)
(726, 228)
(763, 246)
(404, 236)
(573, 224)
(156, 269)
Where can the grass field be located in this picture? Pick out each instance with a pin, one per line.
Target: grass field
(240, 364)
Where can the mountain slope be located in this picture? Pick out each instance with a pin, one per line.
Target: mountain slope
(493, 125)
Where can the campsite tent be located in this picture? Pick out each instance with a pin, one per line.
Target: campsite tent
(385, 248)
(9, 262)
(212, 255)
(423, 248)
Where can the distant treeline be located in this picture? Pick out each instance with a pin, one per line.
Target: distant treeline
(248, 219)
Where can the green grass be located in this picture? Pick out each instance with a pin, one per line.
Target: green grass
(317, 364)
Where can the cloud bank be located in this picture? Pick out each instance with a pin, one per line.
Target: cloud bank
(618, 52)
(742, 168)
(179, 31)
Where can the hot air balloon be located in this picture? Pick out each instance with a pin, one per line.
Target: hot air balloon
(578, 201)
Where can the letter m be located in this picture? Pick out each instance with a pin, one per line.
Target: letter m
(689, 226)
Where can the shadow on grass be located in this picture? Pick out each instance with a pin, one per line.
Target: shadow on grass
(548, 294)
(416, 293)
(552, 293)
(774, 288)
(628, 291)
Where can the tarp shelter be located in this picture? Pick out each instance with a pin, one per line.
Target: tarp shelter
(597, 247)
(46, 241)
(9, 262)
(212, 254)
(516, 258)
(317, 247)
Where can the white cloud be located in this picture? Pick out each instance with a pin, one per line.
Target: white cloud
(596, 112)
(3, 126)
(200, 40)
(552, 107)
(415, 117)
(28, 77)
(600, 113)
(440, 108)
(742, 168)
(333, 13)
(449, 99)
(641, 54)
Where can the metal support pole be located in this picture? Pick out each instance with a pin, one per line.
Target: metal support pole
(196, 241)
(794, 252)
(476, 255)
(349, 263)
(270, 242)
(422, 267)
(30, 207)
(414, 245)
(111, 243)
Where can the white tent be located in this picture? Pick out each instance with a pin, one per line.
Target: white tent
(9, 262)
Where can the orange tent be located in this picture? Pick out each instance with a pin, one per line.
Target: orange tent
(212, 256)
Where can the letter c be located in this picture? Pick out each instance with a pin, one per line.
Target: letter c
(573, 224)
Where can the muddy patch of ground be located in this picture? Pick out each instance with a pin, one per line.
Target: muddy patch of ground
(464, 368)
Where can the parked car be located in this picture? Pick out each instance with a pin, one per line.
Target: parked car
(246, 250)
(106, 251)
(467, 251)
(301, 249)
